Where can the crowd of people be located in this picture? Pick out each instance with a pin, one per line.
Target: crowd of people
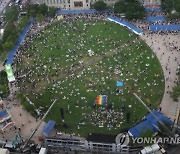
(52, 62)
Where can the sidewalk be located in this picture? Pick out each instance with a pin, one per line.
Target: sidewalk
(161, 47)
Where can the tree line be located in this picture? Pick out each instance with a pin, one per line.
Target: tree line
(15, 24)
(132, 9)
(172, 8)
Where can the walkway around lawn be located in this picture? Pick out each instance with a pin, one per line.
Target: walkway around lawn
(169, 61)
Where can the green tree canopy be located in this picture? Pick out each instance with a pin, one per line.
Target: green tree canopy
(131, 8)
(100, 5)
(171, 7)
(10, 32)
(42, 9)
(11, 15)
(52, 11)
(39, 10)
(4, 89)
(7, 45)
(119, 7)
(175, 93)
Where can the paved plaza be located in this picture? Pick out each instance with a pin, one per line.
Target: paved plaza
(3, 4)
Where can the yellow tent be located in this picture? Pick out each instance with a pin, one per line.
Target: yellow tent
(60, 17)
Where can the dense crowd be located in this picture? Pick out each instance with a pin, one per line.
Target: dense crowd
(37, 72)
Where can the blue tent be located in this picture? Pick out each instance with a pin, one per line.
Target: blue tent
(3, 114)
(48, 128)
(170, 27)
(150, 123)
(153, 9)
(119, 83)
(21, 37)
(141, 128)
(163, 118)
(126, 24)
(155, 18)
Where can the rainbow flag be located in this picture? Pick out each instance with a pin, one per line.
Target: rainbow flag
(101, 100)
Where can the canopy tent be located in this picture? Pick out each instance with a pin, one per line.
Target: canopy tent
(141, 128)
(5, 120)
(149, 124)
(153, 9)
(4, 116)
(164, 28)
(10, 74)
(21, 37)
(126, 24)
(119, 83)
(48, 128)
(163, 118)
(156, 18)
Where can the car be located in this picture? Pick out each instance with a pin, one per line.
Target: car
(10, 4)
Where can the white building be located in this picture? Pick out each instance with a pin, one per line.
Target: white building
(83, 4)
(72, 4)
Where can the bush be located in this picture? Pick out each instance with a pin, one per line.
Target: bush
(100, 5)
(4, 89)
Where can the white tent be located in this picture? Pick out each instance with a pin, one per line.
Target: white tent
(4, 151)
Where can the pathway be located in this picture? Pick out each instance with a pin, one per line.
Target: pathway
(161, 45)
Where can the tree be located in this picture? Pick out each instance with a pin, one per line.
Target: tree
(119, 7)
(42, 9)
(4, 89)
(100, 5)
(52, 11)
(175, 93)
(9, 31)
(39, 18)
(7, 45)
(171, 7)
(11, 15)
(132, 9)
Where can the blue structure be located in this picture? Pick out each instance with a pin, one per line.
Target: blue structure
(64, 12)
(153, 9)
(155, 18)
(149, 124)
(12, 52)
(48, 128)
(3, 114)
(164, 28)
(126, 24)
(142, 128)
(163, 118)
(119, 84)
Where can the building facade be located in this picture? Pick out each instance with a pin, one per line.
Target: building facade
(72, 4)
(84, 4)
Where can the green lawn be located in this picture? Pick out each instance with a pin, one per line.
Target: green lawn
(58, 52)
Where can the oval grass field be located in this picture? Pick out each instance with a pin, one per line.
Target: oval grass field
(79, 60)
